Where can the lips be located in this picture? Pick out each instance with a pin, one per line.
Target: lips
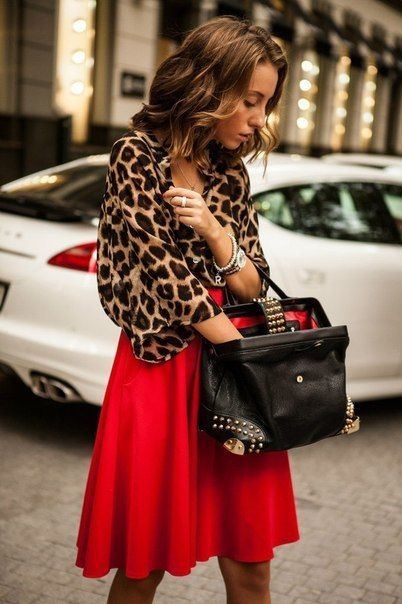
(244, 137)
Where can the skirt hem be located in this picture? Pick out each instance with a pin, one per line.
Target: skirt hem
(184, 572)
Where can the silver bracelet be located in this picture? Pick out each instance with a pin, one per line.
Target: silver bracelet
(235, 246)
(222, 270)
(234, 270)
(240, 262)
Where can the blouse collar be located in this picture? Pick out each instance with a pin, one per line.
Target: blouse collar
(215, 151)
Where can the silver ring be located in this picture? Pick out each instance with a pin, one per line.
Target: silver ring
(183, 201)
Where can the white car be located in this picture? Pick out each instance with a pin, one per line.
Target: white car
(328, 231)
(391, 164)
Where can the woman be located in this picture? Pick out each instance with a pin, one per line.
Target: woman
(162, 495)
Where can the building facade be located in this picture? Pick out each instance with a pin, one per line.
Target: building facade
(79, 70)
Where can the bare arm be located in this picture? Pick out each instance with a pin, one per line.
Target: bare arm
(245, 284)
(218, 329)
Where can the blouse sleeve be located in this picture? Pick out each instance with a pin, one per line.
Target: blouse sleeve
(249, 232)
(153, 295)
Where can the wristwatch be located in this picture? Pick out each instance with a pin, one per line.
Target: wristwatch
(241, 257)
(236, 262)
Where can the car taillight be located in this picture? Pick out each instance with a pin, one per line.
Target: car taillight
(80, 257)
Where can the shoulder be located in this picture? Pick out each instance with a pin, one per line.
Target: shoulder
(133, 146)
(133, 164)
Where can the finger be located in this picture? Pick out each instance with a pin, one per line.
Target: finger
(189, 220)
(178, 191)
(184, 211)
(178, 199)
(178, 203)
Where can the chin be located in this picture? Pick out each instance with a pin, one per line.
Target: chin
(228, 143)
(232, 145)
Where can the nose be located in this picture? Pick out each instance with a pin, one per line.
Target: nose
(258, 119)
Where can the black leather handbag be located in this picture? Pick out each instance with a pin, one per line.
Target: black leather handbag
(283, 384)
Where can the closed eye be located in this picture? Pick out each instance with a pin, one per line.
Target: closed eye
(248, 104)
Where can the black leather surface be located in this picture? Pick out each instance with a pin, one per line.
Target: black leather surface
(291, 384)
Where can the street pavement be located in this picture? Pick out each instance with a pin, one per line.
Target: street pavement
(348, 495)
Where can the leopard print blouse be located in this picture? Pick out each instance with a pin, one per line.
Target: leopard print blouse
(152, 270)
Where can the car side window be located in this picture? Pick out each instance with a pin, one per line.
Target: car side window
(344, 210)
(274, 206)
(392, 195)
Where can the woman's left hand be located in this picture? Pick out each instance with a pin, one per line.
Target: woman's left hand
(195, 213)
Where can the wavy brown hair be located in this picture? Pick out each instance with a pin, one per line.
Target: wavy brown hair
(202, 81)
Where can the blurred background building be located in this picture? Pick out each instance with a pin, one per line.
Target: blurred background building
(73, 72)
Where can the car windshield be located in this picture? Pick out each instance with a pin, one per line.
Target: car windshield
(71, 193)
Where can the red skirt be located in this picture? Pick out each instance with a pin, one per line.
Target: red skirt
(160, 494)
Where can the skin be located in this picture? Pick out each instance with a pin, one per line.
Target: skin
(245, 582)
(250, 115)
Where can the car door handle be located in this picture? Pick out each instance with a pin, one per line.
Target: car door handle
(310, 275)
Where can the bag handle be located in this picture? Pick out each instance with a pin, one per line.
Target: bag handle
(230, 300)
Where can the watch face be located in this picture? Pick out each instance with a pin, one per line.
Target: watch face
(241, 257)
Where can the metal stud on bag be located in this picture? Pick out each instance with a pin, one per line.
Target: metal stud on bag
(255, 441)
(239, 427)
(273, 313)
(352, 420)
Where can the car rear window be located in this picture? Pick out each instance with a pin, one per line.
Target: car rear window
(75, 191)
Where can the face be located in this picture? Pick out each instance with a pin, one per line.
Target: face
(251, 111)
